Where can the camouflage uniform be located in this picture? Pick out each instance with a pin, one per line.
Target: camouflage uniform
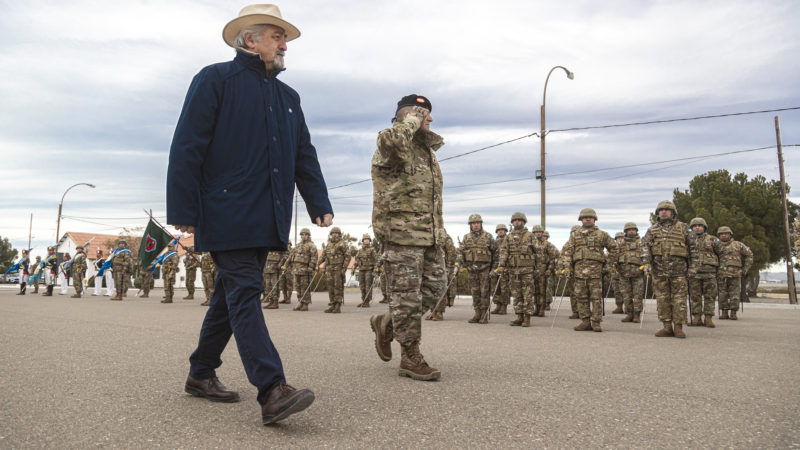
(478, 255)
(78, 272)
(703, 290)
(190, 264)
(146, 278)
(518, 260)
(169, 269)
(407, 220)
(303, 261)
(502, 296)
(631, 276)
(552, 250)
(667, 249)
(735, 260)
(615, 281)
(544, 262)
(286, 284)
(120, 265)
(366, 259)
(36, 270)
(568, 281)
(336, 257)
(450, 260)
(272, 271)
(209, 272)
(584, 258)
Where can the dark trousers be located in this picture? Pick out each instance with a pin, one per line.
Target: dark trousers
(236, 309)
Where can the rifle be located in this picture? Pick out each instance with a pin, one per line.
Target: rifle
(646, 284)
(563, 291)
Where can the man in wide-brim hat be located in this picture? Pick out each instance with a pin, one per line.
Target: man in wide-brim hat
(240, 146)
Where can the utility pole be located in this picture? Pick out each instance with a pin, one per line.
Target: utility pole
(30, 229)
(784, 208)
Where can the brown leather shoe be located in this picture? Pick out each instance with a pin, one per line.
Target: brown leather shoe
(383, 328)
(733, 315)
(211, 389)
(283, 401)
(189, 297)
(596, 327)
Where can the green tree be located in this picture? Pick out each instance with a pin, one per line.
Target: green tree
(750, 207)
(8, 255)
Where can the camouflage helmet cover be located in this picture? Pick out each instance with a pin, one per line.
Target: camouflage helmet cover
(519, 216)
(537, 229)
(366, 236)
(630, 225)
(546, 234)
(619, 234)
(336, 230)
(587, 212)
(123, 241)
(501, 226)
(698, 221)
(475, 218)
(306, 231)
(721, 230)
(666, 204)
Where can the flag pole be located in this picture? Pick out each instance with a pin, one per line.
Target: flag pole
(150, 214)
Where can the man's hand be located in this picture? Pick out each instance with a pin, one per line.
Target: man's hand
(185, 228)
(324, 221)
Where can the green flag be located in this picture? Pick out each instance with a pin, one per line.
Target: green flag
(153, 241)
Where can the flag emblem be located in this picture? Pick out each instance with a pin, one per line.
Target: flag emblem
(149, 244)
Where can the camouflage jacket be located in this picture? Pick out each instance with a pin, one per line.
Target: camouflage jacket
(450, 254)
(584, 252)
(366, 258)
(335, 256)
(706, 257)
(735, 259)
(170, 265)
(668, 248)
(275, 259)
(554, 255)
(544, 258)
(190, 262)
(629, 257)
(478, 251)
(122, 260)
(206, 263)
(79, 264)
(303, 258)
(407, 186)
(517, 251)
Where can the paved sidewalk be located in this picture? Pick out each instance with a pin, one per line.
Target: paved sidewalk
(90, 372)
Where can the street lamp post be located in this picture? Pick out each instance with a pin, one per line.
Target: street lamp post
(58, 223)
(541, 174)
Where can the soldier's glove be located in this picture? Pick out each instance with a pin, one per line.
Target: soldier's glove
(415, 116)
(565, 272)
(463, 269)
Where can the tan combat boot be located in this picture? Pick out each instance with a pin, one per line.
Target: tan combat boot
(117, 297)
(167, 299)
(526, 321)
(365, 304)
(695, 321)
(337, 308)
(503, 309)
(666, 331)
(384, 334)
(733, 315)
(301, 307)
(205, 303)
(273, 304)
(437, 317)
(385, 300)
(709, 322)
(476, 317)
(637, 317)
(145, 296)
(596, 327)
(574, 316)
(585, 325)
(413, 365)
(286, 300)
(189, 297)
(628, 318)
(547, 307)
(496, 308)
(678, 332)
(518, 322)
(724, 315)
(618, 310)
(540, 311)
(330, 309)
(484, 316)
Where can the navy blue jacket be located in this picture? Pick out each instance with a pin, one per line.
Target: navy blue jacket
(240, 146)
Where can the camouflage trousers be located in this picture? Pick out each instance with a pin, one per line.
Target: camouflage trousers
(365, 280)
(730, 290)
(444, 299)
(335, 286)
(119, 279)
(703, 295)
(208, 284)
(502, 294)
(539, 289)
(619, 297)
(303, 281)
(145, 279)
(286, 285)
(384, 287)
(191, 277)
(671, 296)
(169, 285)
(631, 291)
(479, 288)
(551, 287)
(270, 287)
(573, 301)
(588, 294)
(416, 278)
(77, 282)
(521, 284)
(452, 280)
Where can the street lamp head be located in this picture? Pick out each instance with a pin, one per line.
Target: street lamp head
(570, 75)
(93, 186)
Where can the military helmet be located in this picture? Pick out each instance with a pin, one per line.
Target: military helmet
(698, 221)
(537, 229)
(519, 216)
(587, 212)
(666, 204)
(79, 247)
(546, 234)
(619, 234)
(474, 218)
(123, 241)
(336, 230)
(50, 248)
(721, 230)
(501, 226)
(630, 225)
(306, 231)
(366, 236)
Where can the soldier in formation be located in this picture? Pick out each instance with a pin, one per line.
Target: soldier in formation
(381, 274)
(501, 288)
(366, 260)
(583, 260)
(169, 269)
(517, 262)
(190, 264)
(478, 256)
(146, 279)
(614, 280)
(50, 268)
(276, 259)
(451, 264)
(703, 290)
(209, 273)
(303, 263)
(545, 261)
(36, 271)
(630, 274)
(285, 283)
(119, 264)
(552, 250)
(735, 260)
(335, 257)
(78, 271)
(668, 252)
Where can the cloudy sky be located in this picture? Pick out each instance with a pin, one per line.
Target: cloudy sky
(91, 92)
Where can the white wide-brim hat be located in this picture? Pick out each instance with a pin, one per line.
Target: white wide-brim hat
(258, 15)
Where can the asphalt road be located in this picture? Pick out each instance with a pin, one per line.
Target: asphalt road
(89, 372)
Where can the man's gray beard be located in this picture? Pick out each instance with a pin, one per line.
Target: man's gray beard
(278, 63)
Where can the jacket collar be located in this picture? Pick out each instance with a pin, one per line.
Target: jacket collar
(253, 61)
(429, 139)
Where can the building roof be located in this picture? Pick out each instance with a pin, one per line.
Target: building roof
(101, 241)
